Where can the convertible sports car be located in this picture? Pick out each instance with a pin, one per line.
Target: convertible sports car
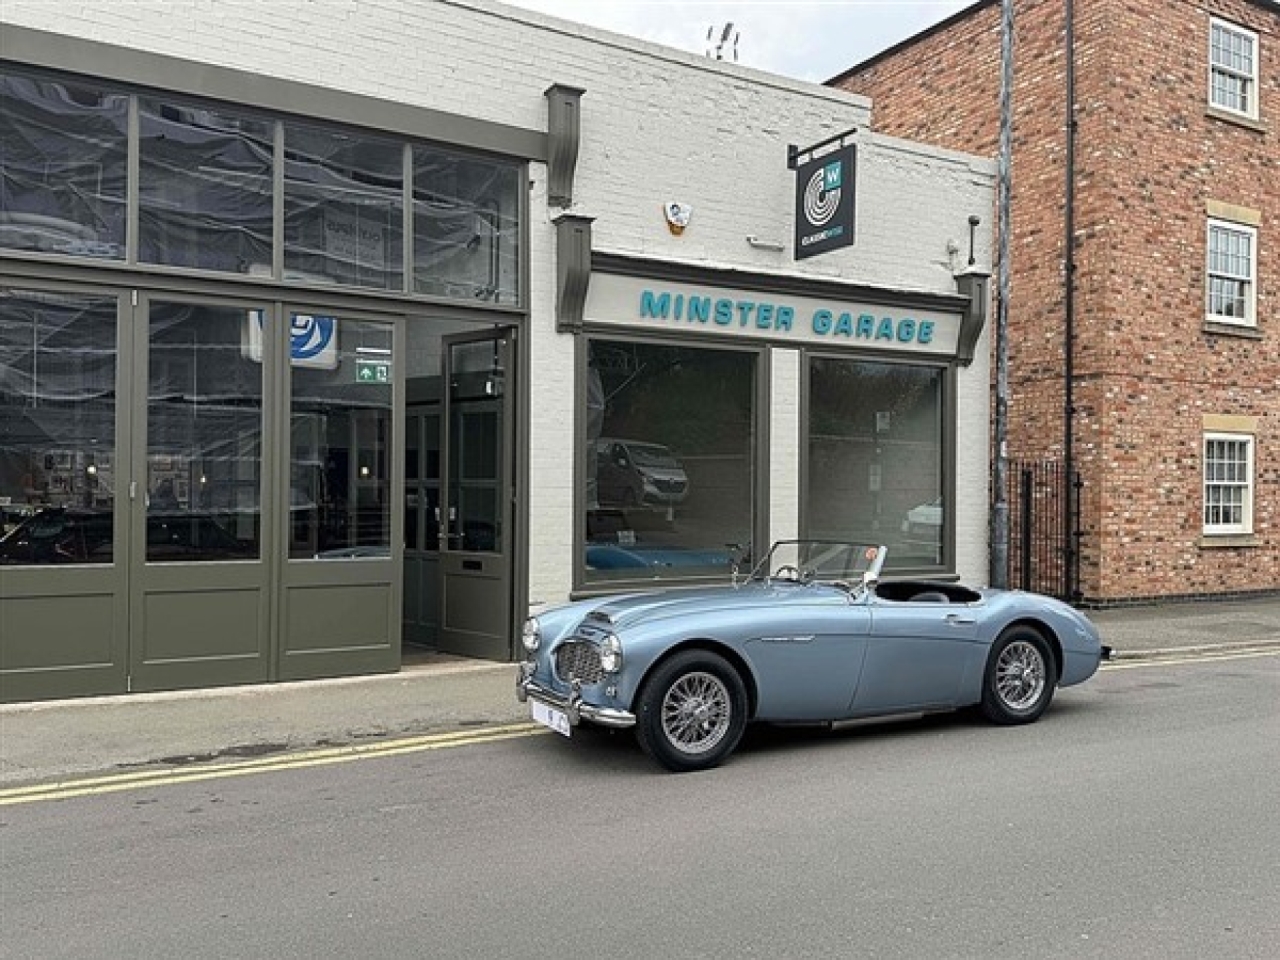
(812, 635)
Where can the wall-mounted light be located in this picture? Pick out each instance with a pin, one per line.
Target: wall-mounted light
(761, 244)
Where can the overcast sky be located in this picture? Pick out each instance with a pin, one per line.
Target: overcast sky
(807, 39)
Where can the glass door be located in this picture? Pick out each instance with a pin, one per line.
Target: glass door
(476, 500)
(63, 511)
(198, 578)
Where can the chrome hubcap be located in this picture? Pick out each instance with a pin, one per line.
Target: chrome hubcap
(696, 712)
(1020, 675)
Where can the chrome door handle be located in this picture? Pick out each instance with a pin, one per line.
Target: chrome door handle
(958, 621)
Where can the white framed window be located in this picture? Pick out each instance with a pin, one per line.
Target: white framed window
(1228, 483)
(1233, 68)
(1231, 280)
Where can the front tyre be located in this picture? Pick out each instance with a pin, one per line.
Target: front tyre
(1020, 678)
(691, 711)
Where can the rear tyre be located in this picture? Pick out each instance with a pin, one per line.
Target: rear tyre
(1020, 678)
(692, 711)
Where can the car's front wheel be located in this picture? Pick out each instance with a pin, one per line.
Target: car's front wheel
(692, 711)
(1021, 677)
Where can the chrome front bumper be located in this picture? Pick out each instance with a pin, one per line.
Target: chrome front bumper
(572, 705)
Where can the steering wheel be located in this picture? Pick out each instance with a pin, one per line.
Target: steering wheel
(787, 572)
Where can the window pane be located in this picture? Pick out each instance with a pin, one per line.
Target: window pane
(62, 167)
(340, 429)
(343, 208)
(205, 190)
(466, 227)
(667, 491)
(57, 427)
(204, 435)
(875, 457)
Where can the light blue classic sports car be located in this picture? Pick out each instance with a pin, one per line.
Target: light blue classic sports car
(812, 635)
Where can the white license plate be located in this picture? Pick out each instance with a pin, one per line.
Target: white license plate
(556, 720)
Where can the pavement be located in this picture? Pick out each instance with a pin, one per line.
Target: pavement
(58, 741)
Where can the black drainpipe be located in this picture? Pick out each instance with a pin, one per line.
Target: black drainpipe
(1069, 500)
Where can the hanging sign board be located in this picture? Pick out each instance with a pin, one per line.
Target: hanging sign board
(825, 188)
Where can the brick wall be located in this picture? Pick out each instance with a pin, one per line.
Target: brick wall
(1149, 161)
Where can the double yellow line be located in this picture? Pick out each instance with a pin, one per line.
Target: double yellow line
(115, 783)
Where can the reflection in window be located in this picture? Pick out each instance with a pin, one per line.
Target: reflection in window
(57, 427)
(340, 439)
(875, 457)
(465, 223)
(63, 167)
(204, 435)
(205, 188)
(670, 455)
(343, 208)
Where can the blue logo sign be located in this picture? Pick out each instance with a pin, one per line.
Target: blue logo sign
(309, 336)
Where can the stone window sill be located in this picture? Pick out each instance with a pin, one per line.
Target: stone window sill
(1225, 541)
(1232, 330)
(1239, 119)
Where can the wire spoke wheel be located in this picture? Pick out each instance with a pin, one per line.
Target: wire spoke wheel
(695, 712)
(691, 712)
(1020, 675)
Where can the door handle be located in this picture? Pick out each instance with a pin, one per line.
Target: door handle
(958, 621)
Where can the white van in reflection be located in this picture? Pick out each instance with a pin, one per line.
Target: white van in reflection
(632, 473)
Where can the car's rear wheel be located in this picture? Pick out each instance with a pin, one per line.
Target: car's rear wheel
(1021, 677)
(692, 711)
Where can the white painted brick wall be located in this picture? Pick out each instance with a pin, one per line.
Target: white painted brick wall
(657, 125)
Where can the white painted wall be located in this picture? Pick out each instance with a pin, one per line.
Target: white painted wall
(657, 125)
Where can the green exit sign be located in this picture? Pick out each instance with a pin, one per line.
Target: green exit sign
(373, 371)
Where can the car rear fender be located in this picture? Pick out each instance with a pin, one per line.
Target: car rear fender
(712, 646)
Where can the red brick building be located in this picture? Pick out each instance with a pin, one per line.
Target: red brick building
(1173, 365)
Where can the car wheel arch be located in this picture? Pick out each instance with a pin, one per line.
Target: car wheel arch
(720, 649)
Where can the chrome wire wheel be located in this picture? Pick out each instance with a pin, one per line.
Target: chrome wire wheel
(696, 712)
(1020, 675)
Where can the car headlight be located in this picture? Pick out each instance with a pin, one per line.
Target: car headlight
(531, 634)
(611, 654)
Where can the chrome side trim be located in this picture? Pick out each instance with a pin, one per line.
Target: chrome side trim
(572, 705)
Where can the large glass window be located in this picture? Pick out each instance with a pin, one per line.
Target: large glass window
(875, 469)
(205, 188)
(63, 167)
(340, 426)
(204, 435)
(465, 227)
(343, 208)
(57, 427)
(670, 460)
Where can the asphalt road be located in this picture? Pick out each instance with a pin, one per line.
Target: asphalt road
(1137, 820)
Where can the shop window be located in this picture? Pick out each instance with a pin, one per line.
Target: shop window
(670, 460)
(1228, 483)
(1233, 69)
(57, 427)
(1231, 273)
(204, 435)
(340, 437)
(465, 227)
(63, 167)
(204, 188)
(343, 208)
(875, 458)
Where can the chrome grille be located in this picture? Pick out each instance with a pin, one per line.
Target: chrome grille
(578, 661)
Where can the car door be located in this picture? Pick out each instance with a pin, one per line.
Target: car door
(807, 655)
(917, 653)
